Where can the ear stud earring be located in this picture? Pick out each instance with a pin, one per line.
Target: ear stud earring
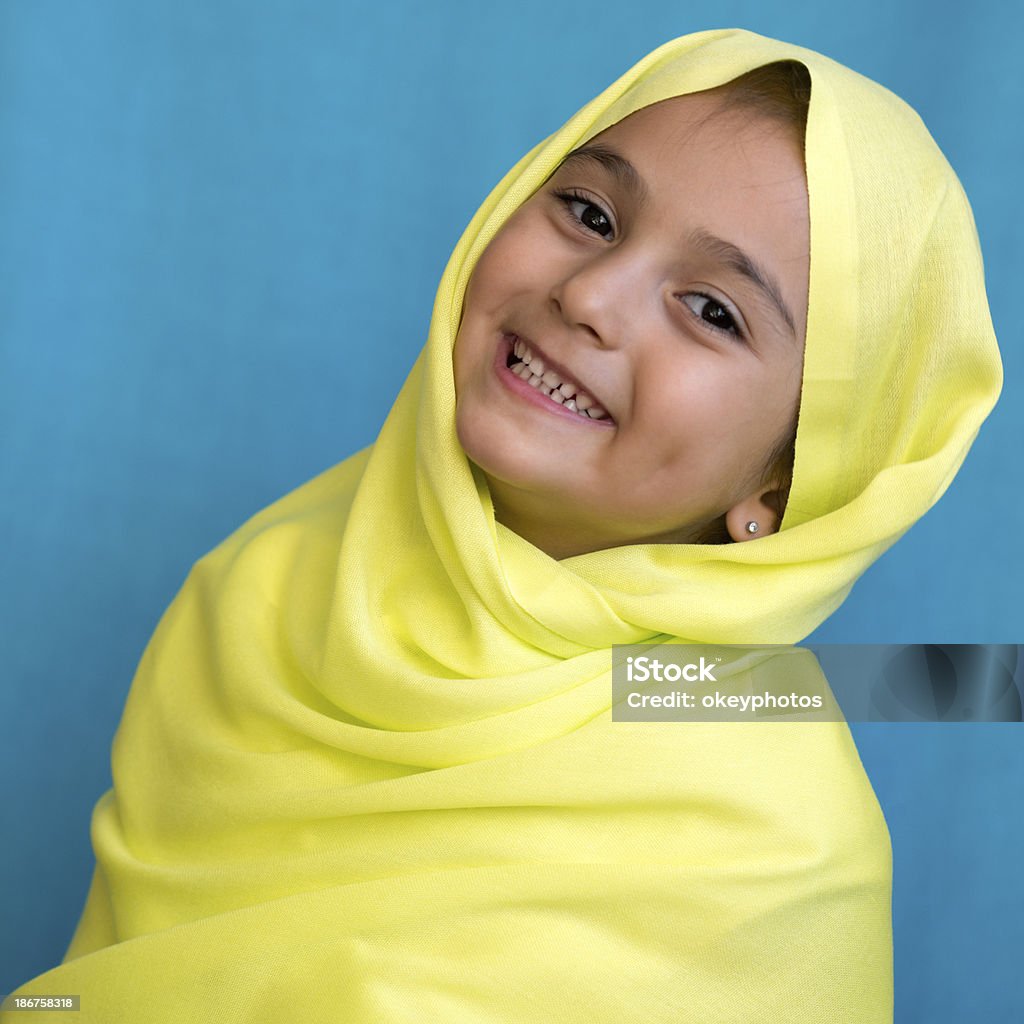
(752, 527)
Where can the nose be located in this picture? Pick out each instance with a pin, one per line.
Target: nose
(602, 296)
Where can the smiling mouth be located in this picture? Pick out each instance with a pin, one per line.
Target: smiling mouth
(557, 387)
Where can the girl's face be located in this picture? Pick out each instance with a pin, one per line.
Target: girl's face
(661, 275)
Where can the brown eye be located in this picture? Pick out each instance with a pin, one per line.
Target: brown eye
(587, 213)
(712, 312)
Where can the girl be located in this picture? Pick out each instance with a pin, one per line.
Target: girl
(701, 357)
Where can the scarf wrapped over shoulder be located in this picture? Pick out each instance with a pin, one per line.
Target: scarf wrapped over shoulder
(367, 770)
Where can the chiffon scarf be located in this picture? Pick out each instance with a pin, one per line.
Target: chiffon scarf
(367, 769)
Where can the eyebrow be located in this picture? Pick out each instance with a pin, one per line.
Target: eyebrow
(618, 166)
(726, 253)
(736, 259)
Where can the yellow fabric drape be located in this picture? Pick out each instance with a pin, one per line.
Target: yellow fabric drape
(367, 769)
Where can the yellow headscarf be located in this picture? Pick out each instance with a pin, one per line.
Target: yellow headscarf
(367, 769)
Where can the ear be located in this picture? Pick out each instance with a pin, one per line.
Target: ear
(763, 508)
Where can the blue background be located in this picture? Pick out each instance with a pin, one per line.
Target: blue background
(209, 293)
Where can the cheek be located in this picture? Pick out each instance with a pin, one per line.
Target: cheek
(517, 260)
(459, 361)
(703, 417)
(471, 346)
(506, 254)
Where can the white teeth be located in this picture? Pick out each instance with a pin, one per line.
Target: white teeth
(531, 368)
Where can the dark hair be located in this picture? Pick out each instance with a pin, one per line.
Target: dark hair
(781, 91)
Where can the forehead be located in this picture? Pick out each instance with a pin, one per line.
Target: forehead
(707, 128)
(678, 112)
